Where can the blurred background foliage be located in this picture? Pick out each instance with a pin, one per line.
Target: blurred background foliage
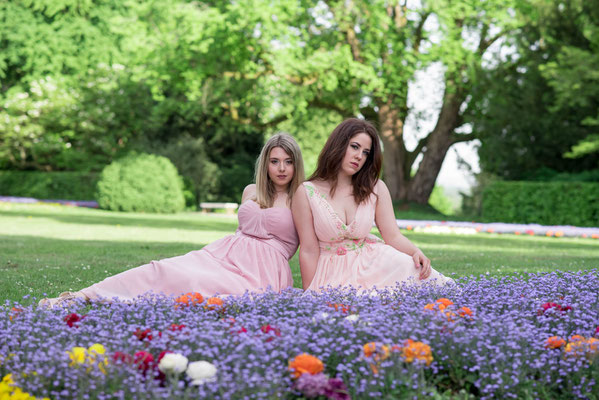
(86, 82)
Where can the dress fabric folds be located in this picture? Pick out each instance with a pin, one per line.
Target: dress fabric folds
(255, 258)
(351, 256)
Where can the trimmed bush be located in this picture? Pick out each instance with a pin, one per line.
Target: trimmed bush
(48, 185)
(141, 182)
(546, 203)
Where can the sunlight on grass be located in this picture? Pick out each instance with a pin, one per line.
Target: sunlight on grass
(50, 249)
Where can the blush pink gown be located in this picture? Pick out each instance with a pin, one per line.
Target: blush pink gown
(253, 259)
(350, 255)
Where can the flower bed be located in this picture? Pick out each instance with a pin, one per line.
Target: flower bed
(532, 336)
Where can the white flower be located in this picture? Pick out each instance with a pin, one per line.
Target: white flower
(321, 316)
(352, 318)
(201, 372)
(173, 362)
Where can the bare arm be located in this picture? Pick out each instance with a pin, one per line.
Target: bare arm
(384, 218)
(309, 250)
(248, 193)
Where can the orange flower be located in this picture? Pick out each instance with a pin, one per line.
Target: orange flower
(305, 364)
(554, 342)
(189, 299)
(413, 350)
(429, 306)
(14, 312)
(340, 307)
(214, 303)
(465, 311)
(380, 352)
(576, 338)
(444, 303)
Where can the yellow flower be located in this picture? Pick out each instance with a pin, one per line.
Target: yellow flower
(8, 390)
(77, 355)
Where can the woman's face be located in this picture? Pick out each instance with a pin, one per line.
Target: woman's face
(280, 167)
(356, 154)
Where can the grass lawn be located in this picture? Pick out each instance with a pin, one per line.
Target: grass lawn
(49, 249)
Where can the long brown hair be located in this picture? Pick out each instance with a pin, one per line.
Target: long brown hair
(265, 189)
(331, 157)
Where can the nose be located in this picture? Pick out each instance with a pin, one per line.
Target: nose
(281, 167)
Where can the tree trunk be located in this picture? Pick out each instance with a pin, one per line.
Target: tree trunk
(437, 144)
(397, 161)
(391, 131)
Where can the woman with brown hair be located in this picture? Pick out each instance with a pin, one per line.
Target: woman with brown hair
(254, 258)
(334, 211)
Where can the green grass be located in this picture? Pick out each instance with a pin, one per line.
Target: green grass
(50, 249)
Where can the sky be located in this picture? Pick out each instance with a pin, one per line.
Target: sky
(424, 99)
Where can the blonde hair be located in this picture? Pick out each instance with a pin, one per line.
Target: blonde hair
(265, 189)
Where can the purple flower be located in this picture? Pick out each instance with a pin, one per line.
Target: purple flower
(312, 385)
(336, 390)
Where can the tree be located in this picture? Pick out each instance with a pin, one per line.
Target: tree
(358, 57)
(573, 72)
(524, 123)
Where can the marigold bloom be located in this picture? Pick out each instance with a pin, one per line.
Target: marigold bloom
(429, 306)
(554, 342)
(413, 350)
(465, 311)
(380, 352)
(576, 338)
(305, 364)
(340, 307)
(189, 299)
(214, 303)
(445, 302)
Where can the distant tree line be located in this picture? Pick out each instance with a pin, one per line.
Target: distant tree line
(203, 82)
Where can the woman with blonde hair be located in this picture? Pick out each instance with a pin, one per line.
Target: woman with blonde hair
(334, 212)
(255, 258)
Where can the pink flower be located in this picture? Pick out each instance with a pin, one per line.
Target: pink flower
(341, 251)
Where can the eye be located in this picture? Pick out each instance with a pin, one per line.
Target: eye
(354, 146)
(289, 162)
(274, 161)
(366, 153)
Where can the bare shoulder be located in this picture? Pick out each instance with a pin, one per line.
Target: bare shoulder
(380, 188)
(249, 192)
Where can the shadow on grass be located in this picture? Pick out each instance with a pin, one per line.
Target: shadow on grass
(176, 221)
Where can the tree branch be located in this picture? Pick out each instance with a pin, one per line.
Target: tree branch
(419, 30)
(462, 137)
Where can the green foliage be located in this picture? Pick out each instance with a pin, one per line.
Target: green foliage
(141, 182)
(546, 203)
(441, 202)
(48, 185)
(532, 108)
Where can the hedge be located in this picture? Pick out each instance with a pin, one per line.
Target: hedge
(545, 203)
(141, 182)
(48, 185)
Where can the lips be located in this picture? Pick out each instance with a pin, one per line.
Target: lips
(282, 176)
(354, 164)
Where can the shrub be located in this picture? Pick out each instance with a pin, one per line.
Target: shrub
(48, 185)
(547, 203)
(141, 182)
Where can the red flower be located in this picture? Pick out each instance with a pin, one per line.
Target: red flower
(145, 334)
(162, 354)
(176, 327)
(144, 360)
(72, 319)
(122, 357)
(556, 306)
(267, 329)
(597, 331)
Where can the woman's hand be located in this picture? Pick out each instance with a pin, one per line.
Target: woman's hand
(423, 263)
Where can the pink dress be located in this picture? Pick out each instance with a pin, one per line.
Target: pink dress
(350, 255)
(254, 258)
